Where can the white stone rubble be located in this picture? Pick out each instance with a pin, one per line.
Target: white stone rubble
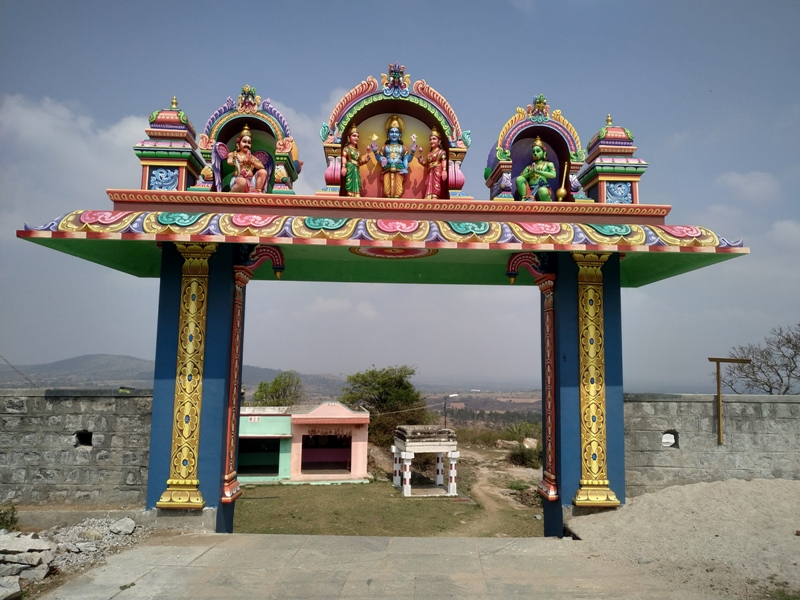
(31, 557)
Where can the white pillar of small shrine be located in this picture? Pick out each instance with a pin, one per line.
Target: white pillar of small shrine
(440, 468)
(396, 467)
(451, 485)
(407, 458)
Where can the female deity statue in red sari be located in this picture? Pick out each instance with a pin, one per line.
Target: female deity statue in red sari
(435, 166)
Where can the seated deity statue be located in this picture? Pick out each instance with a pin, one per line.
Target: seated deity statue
(249, 173)
(536, 175)
(351, 162)
(394, 157)
(435, 166)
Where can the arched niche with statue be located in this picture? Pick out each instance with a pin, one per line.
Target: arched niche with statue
(418, 110)
(271, 141)
(511, 155)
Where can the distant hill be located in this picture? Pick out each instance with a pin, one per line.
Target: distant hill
(111, 370)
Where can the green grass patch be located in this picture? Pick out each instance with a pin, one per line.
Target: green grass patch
(376, 509)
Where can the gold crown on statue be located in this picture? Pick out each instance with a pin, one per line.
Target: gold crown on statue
(395, 121)
(435, 132)
(538, 142)
(246, 133)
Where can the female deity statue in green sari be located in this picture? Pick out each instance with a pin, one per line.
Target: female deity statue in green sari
(351, 162)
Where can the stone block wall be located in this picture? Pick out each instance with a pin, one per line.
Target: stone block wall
(761, 439)
(46, 456)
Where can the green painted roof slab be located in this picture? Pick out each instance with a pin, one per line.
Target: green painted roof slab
(336, 263)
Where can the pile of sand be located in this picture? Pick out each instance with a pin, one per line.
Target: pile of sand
(733, 537)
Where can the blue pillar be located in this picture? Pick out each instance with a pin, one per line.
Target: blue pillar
(216, 380)
(567, 399)
(216, 385)
(567, 384)
(615, 417)
(169, 302)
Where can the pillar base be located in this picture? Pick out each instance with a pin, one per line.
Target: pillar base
(181, 494)
(595, 495)
(231, 490)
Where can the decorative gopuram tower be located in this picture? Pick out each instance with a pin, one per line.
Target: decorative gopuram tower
(417, 111)
(392, 212)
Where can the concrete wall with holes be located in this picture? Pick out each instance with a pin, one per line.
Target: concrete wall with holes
(74, 446)
(671, 439)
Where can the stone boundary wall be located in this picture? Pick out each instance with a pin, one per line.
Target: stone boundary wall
(761, 439)
(43, 461)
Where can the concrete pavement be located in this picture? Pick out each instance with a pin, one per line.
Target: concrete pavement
(219, 566)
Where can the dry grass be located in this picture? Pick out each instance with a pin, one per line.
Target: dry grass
(374, 509)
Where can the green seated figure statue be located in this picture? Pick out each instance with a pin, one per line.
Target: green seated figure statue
(536, 176)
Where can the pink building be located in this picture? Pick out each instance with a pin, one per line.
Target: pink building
(325, 442)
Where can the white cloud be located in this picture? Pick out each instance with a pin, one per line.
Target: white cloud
(55, 160)
(305, 131)
(785, 233)
(526, 6)
(754, 187)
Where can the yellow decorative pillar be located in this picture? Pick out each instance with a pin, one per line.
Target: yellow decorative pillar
(594, 490)
(182, 486)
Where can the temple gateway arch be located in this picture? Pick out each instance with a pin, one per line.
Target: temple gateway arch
(219, 210)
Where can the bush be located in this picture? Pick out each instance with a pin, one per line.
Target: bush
(526, 457)
(519, 485)
(390, 398)
(8, 518)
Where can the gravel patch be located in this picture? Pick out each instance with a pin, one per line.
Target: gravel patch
(82, 546)
(737, 538)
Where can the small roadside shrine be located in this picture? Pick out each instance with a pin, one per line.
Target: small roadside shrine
(219, 210)
(410, 440)
(304, 443)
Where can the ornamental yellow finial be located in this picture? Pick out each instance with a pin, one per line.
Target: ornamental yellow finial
(174, 102)
(608, 120)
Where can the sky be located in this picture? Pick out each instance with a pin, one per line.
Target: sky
(710, 90)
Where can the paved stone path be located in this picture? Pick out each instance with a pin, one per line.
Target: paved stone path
(211, 566)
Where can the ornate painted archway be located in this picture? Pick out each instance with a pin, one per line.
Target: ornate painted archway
(206, 245)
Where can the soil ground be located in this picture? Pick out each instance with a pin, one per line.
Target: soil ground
(485, 506)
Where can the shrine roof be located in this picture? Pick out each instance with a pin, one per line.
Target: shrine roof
(379, 240)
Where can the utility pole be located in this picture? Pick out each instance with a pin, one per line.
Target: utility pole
(719, 390)
(445, 407)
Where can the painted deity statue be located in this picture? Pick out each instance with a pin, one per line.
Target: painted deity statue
(246, 166)
(351, 161)
(536, 175)
(435, 166)
(394, 157)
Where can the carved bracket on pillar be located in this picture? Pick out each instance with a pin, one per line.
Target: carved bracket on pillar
(262, 253)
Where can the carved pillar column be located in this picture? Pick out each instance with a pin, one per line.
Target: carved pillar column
(396, 473)
(407, 457)
(182, 486)
(546, 281)
(594, 490)
(451, 481)
(547, 486)
(242, 275)
(231, 489)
